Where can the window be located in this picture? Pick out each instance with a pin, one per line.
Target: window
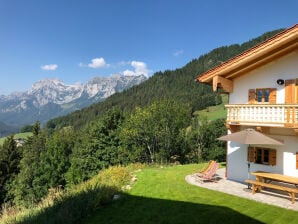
(259, 156)
(262, 155)
(263, 95)
(265, 156)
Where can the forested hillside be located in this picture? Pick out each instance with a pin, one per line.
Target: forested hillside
(6, 129)
(178, 85)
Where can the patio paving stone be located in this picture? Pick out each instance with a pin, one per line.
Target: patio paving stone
(241, 190)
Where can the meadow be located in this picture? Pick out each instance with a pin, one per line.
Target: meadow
(18, 135)
(215, 112)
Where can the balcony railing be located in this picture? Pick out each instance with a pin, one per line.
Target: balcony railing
(279, 115)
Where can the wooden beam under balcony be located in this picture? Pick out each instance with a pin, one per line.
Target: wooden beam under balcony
(225, 84)
(264, 130)
(233, 128)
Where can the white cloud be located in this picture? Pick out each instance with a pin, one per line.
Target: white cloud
(140, 68)
(129, 73)
(50, 67)
(177, 53)
(97, 63)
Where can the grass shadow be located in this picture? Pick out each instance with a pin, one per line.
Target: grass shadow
(136, 209)
(71, 208)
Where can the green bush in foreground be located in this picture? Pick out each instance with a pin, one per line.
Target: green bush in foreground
(73, 205)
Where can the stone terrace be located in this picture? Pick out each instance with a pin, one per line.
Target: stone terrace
(241, 190)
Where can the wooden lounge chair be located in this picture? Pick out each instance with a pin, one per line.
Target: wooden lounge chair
(207, 168)
(210, 175)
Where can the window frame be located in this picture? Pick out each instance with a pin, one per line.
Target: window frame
(260, 155)
(268, 96)
(265, 91)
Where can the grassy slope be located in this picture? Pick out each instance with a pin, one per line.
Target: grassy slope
(72, 205)
(215, 112)
(19, 135)
(161, 195)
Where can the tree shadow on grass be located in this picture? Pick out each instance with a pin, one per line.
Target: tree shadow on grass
(71, 207)
(135, 209)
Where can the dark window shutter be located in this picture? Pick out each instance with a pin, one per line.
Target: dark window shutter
(272, 96)
(290, 91)
(251, 154)
(251, 96)
(272, 157)
(297, 160)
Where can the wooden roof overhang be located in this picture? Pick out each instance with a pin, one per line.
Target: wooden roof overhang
(279, 45)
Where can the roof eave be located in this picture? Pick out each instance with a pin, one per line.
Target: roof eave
(275, 47)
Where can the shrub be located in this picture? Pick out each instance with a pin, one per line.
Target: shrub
(74, 204)
(115, 176)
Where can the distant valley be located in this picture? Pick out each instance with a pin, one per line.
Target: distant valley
(49, 98)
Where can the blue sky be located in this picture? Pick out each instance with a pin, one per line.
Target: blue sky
(76, 40)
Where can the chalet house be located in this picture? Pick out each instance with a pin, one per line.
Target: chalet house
(19, 141)
(262, 84)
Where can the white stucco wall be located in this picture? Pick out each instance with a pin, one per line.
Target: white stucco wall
(285, 159)
(265, 77)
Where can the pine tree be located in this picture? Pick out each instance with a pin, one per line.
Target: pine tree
(29, 186)
(9, 161)
(55, 159)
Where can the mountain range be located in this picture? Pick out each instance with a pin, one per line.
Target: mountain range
(49, 98)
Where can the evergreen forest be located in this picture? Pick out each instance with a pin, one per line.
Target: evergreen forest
(152, 123)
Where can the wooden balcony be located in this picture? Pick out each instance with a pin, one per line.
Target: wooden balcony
(273, 115)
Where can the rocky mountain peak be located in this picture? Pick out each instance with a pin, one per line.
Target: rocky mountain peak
(49, 98)
(54, 91)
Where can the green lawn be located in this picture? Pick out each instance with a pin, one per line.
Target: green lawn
(161, 195)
